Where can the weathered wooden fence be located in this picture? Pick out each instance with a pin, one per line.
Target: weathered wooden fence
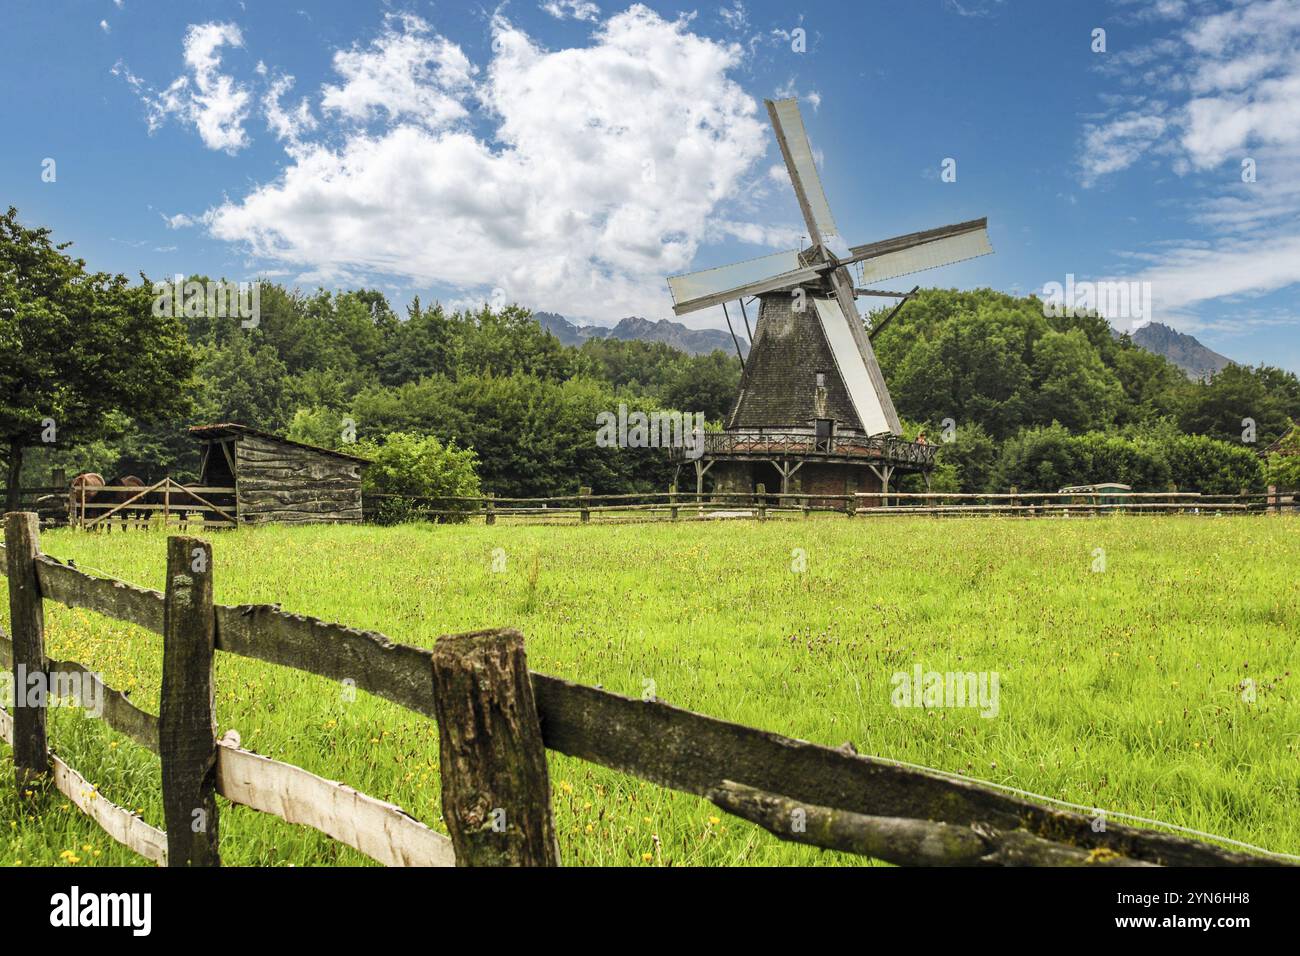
(673, 505)
(495, 720)
(164, 502)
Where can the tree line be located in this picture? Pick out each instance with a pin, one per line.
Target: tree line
(487, 399)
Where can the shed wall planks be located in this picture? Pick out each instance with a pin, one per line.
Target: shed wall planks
(288, 483)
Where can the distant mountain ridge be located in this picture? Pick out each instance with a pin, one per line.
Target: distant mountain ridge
(1197, 361)
(691, 341)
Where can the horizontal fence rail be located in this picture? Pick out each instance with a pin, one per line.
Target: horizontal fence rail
(377, 829)
(494, 725)
(674, 505)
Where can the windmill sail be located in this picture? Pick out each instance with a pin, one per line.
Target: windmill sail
(797, 151)
(698, 290)
(789, 345)
(845, 299)
(852, 366)
(919, 251)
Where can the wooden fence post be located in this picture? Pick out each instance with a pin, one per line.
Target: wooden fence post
(1274, 499)
(584, 493)
(496, 796)
(187, 741)
(27, 624)
(490, 515)
(672, 501)
(760, 492)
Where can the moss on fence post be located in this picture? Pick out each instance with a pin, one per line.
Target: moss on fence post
(187, 743)
(27, 627)
(496, 794)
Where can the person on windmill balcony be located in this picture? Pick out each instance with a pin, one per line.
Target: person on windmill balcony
(920, 438)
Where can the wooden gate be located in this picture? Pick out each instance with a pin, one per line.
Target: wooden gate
(167, 499)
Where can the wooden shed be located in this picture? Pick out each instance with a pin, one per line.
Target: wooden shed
(276, 479)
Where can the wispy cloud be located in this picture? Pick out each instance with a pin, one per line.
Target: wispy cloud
(213, 102)
(1223, 89)
(572, 10)
(974, 8)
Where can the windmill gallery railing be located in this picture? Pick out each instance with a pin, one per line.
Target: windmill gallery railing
(496, 719)
(779, 444)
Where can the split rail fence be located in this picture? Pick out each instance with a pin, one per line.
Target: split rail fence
(674, 505)
(496, 719)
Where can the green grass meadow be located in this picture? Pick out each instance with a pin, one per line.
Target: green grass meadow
(1119, 688)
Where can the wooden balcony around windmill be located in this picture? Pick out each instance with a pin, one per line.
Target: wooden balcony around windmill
(848, 448)
(794, 461)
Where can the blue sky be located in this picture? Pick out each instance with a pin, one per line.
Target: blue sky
(569, 155)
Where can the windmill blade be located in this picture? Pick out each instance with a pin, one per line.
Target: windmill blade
(881, 412)
(699, 290)
(868, 401)
(918, 251)
(797, 152)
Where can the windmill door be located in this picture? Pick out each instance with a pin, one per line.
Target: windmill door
(825, 434)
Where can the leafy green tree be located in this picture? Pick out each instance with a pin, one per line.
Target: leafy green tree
(1153, 386)
(1220, 407)
(962, 356)
(1111, 457)
(1046, 459)
(319, 426)
(508, 341)
(631, 365)
(1040, 459)
(1213, 467)
(422, 345)
(704, 383)
(75, 347)
(1071, 384)
(534, 437)
(970, 455)
(417, 466)
(243, 382)
(1283, 463)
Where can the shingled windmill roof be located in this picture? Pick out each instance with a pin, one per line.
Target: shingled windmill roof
(779, 386)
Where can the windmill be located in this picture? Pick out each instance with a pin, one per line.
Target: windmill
(813, 287)
(812, 391)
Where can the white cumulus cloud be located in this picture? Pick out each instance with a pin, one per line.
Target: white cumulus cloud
(596, 170)
(408, 73)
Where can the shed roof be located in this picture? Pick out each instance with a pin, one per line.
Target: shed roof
(234, 429)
